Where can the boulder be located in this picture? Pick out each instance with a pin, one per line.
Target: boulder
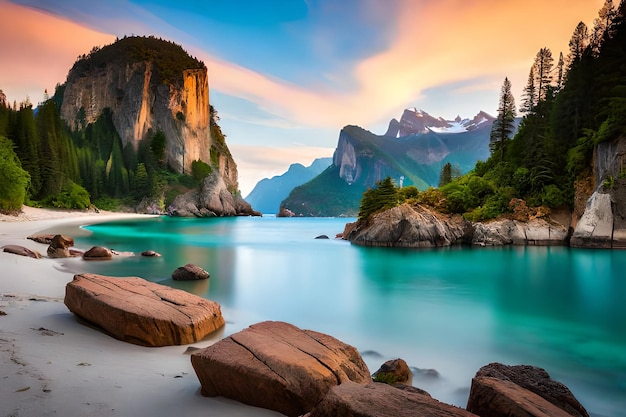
(150, 254)
(189, 272)
(411, 226)
(595, 227)
(60, 246)
(21, 250)
(98, 253)
(322, 237)
(277, 366)
(376, 400)
(43, 238)
(394, 371)
(521, 390)
(144, 313)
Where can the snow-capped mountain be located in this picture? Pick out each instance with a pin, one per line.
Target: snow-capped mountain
(415, 121)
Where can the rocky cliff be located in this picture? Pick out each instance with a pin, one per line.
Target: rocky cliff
(150, 85)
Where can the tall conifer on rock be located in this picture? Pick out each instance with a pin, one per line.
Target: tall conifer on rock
(504, 125)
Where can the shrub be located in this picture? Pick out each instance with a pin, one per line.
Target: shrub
(72, 196)
(200, 170)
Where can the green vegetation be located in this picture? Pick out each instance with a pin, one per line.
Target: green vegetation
(568, 111)
(14, 179)
(172, 58)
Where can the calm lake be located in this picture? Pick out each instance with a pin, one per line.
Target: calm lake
(447, 312)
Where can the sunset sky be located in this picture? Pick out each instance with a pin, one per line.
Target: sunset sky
(286, 75)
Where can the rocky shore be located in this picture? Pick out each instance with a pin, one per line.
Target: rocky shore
(602, 225)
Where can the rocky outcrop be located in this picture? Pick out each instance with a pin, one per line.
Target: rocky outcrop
(411, 227)
(595, 227)
(213, 199)
(141, 312)
(423, 227)
(501, 390)
(536, 232)
(147, 85)
(22, 251)
(42, 238)
(375, 400)
(189, 272)
(277, 366)
(60, 246)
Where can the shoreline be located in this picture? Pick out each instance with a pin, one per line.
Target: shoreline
(53, 364)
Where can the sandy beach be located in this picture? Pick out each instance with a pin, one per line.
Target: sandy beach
(50, 364)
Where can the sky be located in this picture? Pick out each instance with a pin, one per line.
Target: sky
(286, 75)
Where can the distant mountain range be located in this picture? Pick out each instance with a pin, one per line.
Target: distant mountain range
(269, 193)
(411, 152)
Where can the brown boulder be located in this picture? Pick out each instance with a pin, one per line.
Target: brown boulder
(277, 366)
(43, 238)
(141, 312)
(189, 272)
(60, 246)
(150, 254)
(520, 390)
(395, 371)
(98, 253)
(380, 400)
(21, 250)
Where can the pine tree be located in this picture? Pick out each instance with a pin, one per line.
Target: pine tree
(529, 96)
(504, 125)
(602, 26)
(560, 73)
(577, 45)
(543, 73)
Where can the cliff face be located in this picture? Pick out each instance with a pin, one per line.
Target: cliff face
(140, 106)
(150, 85)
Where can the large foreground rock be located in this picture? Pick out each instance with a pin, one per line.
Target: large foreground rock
(277, 366)
(381, 400)
(521, 390)
(141, 312)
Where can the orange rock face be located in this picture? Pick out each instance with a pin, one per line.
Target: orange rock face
(141, 312)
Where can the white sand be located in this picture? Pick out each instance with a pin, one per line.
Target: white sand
(50, 364)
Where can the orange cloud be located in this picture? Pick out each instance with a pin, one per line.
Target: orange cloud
(38, 49)
(436, 43)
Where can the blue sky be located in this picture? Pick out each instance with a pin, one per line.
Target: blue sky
(286, 75)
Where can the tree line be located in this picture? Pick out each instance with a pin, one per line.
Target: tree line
(568, 108)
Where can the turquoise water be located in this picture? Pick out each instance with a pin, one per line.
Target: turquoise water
(451, 310)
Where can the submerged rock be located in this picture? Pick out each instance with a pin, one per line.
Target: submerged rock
(394, 371)
(277, 366)
(141, 312)
(189, 272)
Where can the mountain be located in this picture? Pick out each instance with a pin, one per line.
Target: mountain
(269, 193)
(412, 152)
(147, 88)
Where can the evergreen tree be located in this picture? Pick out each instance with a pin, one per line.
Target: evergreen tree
(383, 196)
(560, 73)
(529, 96)
(504, 125)
(543, 73)
(602, 26)
(577, 45)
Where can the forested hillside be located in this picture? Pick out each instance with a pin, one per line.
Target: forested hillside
(569, 107)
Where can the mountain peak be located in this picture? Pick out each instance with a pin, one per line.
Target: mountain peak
(414, 121)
